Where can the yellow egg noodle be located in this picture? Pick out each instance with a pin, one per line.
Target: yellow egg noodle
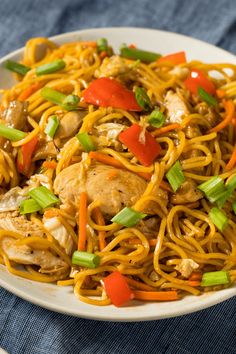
(177, 238)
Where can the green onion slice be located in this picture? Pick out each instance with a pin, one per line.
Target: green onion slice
(142, 98)
(85, 259)
(69, 103)
(29, 206)
(86, 141)
(213, 188)
(218, 218)
(102, 45)
(175, 176)
(156, 118)
(16, 67)
(234, 207)
(43, 196)
(215, 278)
(212, 101)
(52, 125)
(11, 133)
(49, 68)
(134, 53)
(128, 217)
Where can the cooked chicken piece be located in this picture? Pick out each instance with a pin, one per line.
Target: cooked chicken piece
(44, 150)
(24, 254)
(40, 179)
(153, 276)
(124, 189)
(181, 73)
(115, 66)
(11, 200)
(187, 193)
(15, 115)
(108, 134)
(59, 232)
(12, 221)
(69, 124)
(176, 107)
(186, 267)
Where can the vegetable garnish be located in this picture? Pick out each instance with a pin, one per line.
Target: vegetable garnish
(29, 91)
(174, 58)
(218, 218)
(29, 206)
(117, 289)
(69, 103)
(166, 129)
(215, 278)
(85, 259)
(156, 118)
(49, 68)
(234, 207)
(106, 92)
(213, 188)
(24, 157)
(175, 176)
(142, 98)
(212, 101)
(147, 151)
(86, 141)
(128, 217)
(155, 295)
(229, 114)
(52, 125)
(11, 133)
(196, 79)
(43, 196)
(232, 161)
(134, 53)
(82, 223)
(17, 67)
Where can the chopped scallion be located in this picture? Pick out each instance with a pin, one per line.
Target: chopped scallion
(49, 68)
(175, 176)
(16, 67)
(69, 103)
(234, 207)
(85, 259)
(142, 98)
(11, 133)
(213, 188)
(218, 218)
(156, 118)
(128, 217)
(102, 45)
(43, 196)
(215, 278)
(29, 206)
(52, 125)
(205, 96)
(135, 53)
(86, 141)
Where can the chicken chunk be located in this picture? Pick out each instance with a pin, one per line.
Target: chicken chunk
(11, 200)
(24, 254)
(69, 124)
(124, 189)
(59, 232)
(176, 107)
(187, 193)
(115, 66)
(15, 115)
(186, 267)
(18, 223)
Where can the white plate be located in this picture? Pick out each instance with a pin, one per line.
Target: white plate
(62, 299)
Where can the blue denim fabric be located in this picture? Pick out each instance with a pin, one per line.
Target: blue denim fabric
(28, 329)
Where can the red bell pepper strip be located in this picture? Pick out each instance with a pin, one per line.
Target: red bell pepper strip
(24, 157)
(146, 151)
(175, 58)
(117, 289)
(196, 79)
(106, 92)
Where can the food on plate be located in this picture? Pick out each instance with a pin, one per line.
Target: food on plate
(118, 172)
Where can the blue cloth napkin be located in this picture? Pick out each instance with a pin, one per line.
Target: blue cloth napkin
(28, 329)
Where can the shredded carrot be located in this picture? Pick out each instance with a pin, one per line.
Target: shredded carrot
(103, 54)
(164, 185)
(232, 160)
(194, 283)
(220, 93)
(132, 45)
(229, 114)
(166, 129)
(101, 234)
(88, 44)
(82, 221)
(50, 213)
(138, 285)
(29, 91)
(195, 276)
(155, 295)
(111, 175)
(50, 164)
